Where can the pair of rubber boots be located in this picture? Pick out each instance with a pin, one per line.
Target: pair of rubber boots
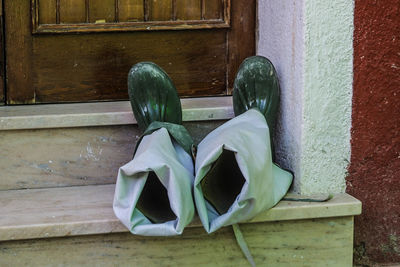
(230, 179)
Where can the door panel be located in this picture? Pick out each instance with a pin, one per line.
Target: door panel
(101, 72)
(198, 45)
(130, 10)
(188, 9)
(102, 10)
(158, 10)
(46, 10)
(68, 11)
(77, 16)
(212, 9)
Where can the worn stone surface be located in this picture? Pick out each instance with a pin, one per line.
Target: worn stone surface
(64, 157)
(321, 242)
(44, 158)
(104, 113)
(374, 173)
(85, 210)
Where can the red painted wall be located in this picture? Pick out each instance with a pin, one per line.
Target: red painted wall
(374, 172)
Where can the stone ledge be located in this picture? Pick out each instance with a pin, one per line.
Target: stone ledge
(104, 113)
(86, 210)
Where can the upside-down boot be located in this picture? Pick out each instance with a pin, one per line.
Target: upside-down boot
(153, 194)
(235, 176)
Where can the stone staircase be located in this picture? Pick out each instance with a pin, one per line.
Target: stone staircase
(58, 165)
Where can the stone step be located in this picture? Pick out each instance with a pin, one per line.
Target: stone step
(85, 210)
(76, 226)
(68, 156)
(83, 144)
(104, 113)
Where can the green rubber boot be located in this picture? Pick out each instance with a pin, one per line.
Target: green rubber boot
(257, 86)
(153, 193)
(156, 104)
(235, 175)
(152, 95)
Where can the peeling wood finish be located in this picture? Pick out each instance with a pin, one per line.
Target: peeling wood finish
(320, 242)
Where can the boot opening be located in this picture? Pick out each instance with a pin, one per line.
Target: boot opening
(154, 202)
(223, 182)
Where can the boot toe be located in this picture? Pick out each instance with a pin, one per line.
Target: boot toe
(153, 95)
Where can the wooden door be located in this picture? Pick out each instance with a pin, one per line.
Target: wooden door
(2, 73)
(81, 50)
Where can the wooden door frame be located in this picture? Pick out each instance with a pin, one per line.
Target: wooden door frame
(2, 60)
(18, 46)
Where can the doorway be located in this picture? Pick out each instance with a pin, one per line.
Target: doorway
(59, 51)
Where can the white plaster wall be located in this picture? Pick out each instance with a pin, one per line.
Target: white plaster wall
(310, 44)
(281, 39)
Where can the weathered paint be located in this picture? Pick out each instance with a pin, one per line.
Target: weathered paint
(374, 173)
(310, 43)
